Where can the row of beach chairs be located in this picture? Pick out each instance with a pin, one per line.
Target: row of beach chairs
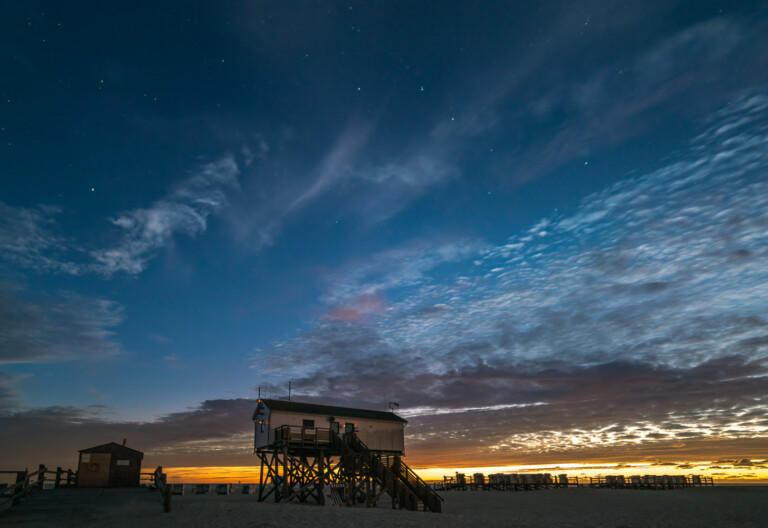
(506, 481)
(651, 481)
(531, 481)
(213, 489)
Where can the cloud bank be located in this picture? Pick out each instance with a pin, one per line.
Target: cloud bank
(61, 328)
(637, 319)
(28, 239)
(215, 432)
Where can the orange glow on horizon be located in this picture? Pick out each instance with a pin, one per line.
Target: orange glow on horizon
(721, 475)
(212, 474)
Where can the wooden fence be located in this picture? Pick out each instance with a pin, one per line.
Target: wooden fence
(158, 480)
(27, 482)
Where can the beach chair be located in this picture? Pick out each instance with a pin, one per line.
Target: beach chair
(337, 494)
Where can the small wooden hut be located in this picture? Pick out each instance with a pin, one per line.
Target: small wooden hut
(109, 466)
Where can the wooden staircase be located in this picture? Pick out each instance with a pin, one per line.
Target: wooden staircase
(407, 489)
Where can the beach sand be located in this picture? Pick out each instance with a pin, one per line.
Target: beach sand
(721, 506)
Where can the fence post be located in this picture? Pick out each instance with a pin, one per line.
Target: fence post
(41, 477)
(167, 494)
(57, 482)
(21, 476)
(69, 477)
(165, 490)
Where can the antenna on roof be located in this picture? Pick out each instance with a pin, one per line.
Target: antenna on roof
(392, 406)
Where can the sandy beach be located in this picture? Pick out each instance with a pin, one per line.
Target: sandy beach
(737, 506)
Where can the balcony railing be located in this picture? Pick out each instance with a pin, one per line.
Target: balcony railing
(296, 436)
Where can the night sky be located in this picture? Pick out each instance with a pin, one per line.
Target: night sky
(542, 228)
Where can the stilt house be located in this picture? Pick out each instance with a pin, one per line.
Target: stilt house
(318, 453)
(381, 431)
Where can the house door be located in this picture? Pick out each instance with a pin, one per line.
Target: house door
(94, 470)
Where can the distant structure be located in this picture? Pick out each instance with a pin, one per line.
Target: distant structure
(109, 466)
(353, 455)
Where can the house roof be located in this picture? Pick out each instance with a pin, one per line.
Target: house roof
(329, 410)
(111, 447)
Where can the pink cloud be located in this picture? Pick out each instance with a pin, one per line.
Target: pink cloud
(361, 307)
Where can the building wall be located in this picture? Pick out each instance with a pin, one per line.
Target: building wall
(109, 466)
(262, 436)
(378, 435)
(93, 470)
(126, 471)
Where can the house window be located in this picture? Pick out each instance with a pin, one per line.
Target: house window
(308, 423)
(123, 462)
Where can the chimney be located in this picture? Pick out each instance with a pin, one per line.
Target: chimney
(124, 441)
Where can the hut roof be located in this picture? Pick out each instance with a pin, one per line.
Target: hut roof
(330, 410)
(111, 447)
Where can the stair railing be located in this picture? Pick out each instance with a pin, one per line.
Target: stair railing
(401, 470)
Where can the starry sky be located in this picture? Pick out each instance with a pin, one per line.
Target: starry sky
(541, 228)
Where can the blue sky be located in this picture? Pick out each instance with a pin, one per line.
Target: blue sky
(505, 214)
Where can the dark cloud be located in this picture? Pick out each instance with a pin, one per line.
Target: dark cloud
(217, 432)
(61, 328)
(9, 399)
(30, 238)
(544, 408)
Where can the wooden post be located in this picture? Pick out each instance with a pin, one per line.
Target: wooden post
(368, 494)
(167, 494)
(69, 477)
(321, 478)
(41, 477)
(57, 482)
(284, 484)
(261, 479)
(21, 477)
